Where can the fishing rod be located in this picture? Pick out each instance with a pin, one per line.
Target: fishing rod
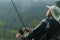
(18, 13)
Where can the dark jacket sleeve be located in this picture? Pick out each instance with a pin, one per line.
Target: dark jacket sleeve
(38, 31)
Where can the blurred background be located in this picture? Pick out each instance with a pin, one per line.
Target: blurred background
(31, 11)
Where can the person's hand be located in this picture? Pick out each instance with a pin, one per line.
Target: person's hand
(18, 35)
(26, 30)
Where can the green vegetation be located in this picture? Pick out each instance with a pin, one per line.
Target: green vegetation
(8, 35)
(35, 22)
(58, 3)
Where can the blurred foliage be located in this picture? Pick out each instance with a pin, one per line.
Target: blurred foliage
(58, 3)
(1, 23)
(8, 35)
(35, 22)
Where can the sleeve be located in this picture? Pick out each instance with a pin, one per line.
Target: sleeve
(41, 24)
(38, 31)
